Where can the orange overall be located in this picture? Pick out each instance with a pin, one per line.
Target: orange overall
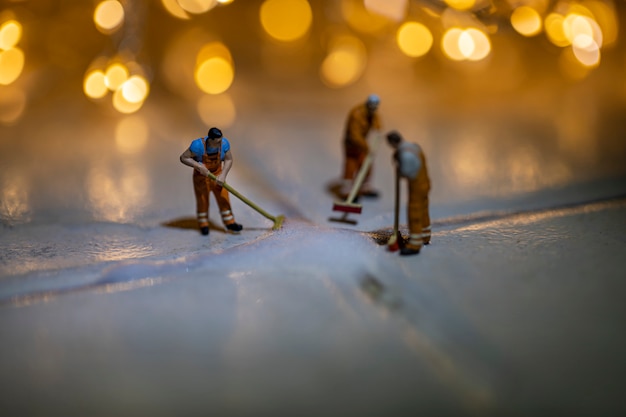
(418, 212)
(203, 185)
(356, 148)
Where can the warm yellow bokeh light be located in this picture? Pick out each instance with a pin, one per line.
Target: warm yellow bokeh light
(174, 9)
(197, 6)
(465, 44)
(115, 76)
(393, 9)
(286, 20)
(581, 31)
(11, 65)
(345, 62)
(526, 21)
(10, 34)
(94, 84)
(450, 44)
(135, 89)
(361, 19)
(554, 29)
(414, 39)
(214, 76)
(108, 15)
(481, 46)
(213, 50)
(217, 110)
(588, 55)
(461, 4)
(604, 14)
(124, 106)
(131, 135)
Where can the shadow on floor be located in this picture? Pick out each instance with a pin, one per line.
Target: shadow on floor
(190, 223)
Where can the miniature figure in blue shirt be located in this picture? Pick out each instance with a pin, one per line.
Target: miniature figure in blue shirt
(211, 154)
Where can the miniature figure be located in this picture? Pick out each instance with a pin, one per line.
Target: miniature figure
(362, 120)
(211, 154)
(411, 164)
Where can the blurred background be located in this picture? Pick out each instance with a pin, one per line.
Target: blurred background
(507, 97)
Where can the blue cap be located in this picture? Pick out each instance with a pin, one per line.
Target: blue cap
(373, 99)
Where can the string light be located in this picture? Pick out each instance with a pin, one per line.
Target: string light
(454, 26)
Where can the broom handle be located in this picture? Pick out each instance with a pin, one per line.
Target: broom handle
(242, 198)
(364, 168)
(397, 202)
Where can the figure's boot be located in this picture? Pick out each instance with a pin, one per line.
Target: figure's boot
(234, 227)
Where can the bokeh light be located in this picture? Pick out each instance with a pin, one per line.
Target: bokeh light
(108, 16)
(465, 44)
(174, 9)
(217, 110)
(588, 55)
(361, 19)
(461, 4)
(214, 75)
(131, 135)
(554, 28)
(526, 21)
(344, 63)
(604, 14)
(214, 50)
(135, 89)
(450, 44)
(478, 44)
(122, 105)
(214, 72)
(197, 6)
(94, 84)
(393, 9)
(11, 65)
(286, 20)
(581, 31)
(115, 75)
(10, 34)
(414, 39)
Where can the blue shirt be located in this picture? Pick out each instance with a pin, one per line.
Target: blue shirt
(197, 147)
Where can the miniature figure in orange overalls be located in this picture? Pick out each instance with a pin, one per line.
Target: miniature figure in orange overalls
(361, 120)
(211, 154)
(411, 163)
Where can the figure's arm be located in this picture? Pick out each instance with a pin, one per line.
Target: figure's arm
(187, 158)
(228, 163)
(356, 134)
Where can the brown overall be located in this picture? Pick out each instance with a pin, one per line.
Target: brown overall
(418, 212)
(203, 185)
(356, 147)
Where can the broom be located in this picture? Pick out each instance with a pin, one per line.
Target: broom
(348, 206)
(394, 240)
(278, 220)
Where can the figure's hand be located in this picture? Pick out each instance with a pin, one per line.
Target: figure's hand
(203, 170)
(220, 179)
